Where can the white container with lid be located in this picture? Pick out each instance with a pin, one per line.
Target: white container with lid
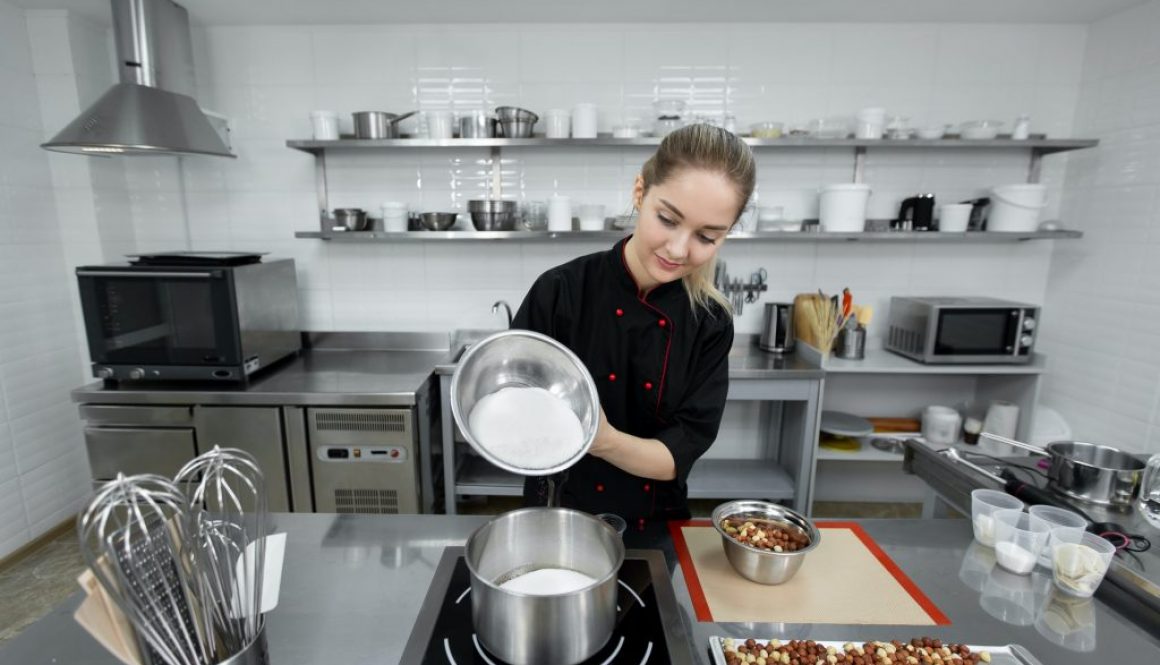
(557, 123)
(325, 125)
(584, 121)
(842, 208)
(1016, 208)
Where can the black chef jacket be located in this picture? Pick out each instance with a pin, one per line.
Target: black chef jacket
(662, 373)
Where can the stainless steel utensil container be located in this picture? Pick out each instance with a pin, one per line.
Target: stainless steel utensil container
(562, 629)
(777, 328)
(525, 359)
(851, 344)
(762, 566)
(487, 215)
(477, 125)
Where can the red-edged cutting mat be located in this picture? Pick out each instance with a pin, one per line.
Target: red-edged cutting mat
(847, 579)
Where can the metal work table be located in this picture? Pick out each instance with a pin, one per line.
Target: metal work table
(1134, 579)
(353, 585)
(345, 369)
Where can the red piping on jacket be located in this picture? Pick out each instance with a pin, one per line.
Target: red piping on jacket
(669, 342)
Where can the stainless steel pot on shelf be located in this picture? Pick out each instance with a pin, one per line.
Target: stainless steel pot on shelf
(1086, 471)
(562, 629)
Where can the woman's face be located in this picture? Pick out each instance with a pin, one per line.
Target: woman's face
(682, 223)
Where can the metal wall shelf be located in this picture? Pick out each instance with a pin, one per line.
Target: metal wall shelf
(775, 236)
(1042, 146)
(1036, 147)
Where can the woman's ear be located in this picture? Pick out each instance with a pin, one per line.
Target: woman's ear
(638, 192)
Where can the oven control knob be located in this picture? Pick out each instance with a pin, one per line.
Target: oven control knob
(1029, 324)
(136, 373)
(105, 373)
(1026, 340)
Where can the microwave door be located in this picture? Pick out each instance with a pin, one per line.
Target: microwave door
(976, 332)
(159, 318)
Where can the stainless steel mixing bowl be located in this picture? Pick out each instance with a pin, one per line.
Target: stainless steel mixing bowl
(522, 358)
(762, 566)
(489, 215)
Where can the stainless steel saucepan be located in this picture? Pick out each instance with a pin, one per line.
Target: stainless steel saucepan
(1086, 471)
(378, 124)
(561, 627)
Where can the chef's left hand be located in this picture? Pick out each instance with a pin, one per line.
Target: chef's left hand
(605, 440)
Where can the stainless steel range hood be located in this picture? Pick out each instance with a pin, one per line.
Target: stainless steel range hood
(147, 112)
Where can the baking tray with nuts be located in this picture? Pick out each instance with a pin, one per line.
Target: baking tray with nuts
(920, 651)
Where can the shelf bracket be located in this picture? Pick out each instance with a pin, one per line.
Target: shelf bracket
(496, 174)
(320, 186)
(1035, 167)
(859, 163)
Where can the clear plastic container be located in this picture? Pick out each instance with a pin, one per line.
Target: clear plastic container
(1059, 519)
(1079, 562)
(1019, 538)
(767, 130)
(983, 504)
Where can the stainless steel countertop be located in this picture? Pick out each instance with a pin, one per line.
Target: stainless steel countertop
(380, 369)
(353, 585)
(340, 369)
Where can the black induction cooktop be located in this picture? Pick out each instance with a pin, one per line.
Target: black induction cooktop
(649, 627)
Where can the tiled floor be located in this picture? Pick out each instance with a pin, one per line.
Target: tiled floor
(38, 582)
(42, 580)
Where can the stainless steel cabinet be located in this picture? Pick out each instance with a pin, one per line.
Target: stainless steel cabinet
(137, 439)
(256, 430)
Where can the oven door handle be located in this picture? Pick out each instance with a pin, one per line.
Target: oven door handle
(145, 273)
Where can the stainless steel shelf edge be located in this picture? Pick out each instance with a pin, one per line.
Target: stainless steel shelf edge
(783, 236)
(1043, 146)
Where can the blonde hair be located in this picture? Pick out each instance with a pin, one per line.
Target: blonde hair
(703, 146)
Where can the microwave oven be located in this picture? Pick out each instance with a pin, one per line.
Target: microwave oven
(951, 330)
(186, 317)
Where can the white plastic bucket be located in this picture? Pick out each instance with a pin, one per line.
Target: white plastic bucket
(1016, 208)
(843, 208)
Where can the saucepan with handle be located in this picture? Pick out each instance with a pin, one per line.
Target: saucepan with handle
(1087, 471)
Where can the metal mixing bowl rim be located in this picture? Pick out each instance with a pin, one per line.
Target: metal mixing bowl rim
(589, 387)
(617, 541)
(724, 510)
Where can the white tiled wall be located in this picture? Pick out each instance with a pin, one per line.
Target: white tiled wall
(1103, 312)
(267, 79)
(43, 469)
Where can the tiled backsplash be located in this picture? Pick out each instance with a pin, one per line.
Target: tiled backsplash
(43, 469)
(1103, 312)
(267, 79)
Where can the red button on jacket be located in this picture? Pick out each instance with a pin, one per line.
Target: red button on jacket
(648, 385)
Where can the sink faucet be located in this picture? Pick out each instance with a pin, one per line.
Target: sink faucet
(507, 308)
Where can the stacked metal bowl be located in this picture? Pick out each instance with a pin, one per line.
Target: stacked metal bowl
(488, 215)
(516, 123)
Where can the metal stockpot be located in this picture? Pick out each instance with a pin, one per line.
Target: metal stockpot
(562, 629)
(1088, 472)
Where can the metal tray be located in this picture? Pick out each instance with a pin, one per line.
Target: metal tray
(1011, 654)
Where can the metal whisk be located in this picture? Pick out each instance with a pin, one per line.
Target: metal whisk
(226, 512)
(132, 535)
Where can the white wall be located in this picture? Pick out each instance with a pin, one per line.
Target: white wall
(267, 78)
(43, 469)
(1102, 318)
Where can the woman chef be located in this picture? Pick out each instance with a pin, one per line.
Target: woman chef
(655, 333)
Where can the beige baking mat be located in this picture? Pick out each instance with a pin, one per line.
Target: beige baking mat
(848, 579)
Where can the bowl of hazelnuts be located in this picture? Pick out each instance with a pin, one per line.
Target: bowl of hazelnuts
(763, 541)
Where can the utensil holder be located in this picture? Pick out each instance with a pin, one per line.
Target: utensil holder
(256, 653)
(851, 344)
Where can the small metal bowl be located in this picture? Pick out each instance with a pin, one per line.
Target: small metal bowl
(487, 215)
(522, 358)
(516, 123)
(762, 566)
(352, 219)
(437, 221)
